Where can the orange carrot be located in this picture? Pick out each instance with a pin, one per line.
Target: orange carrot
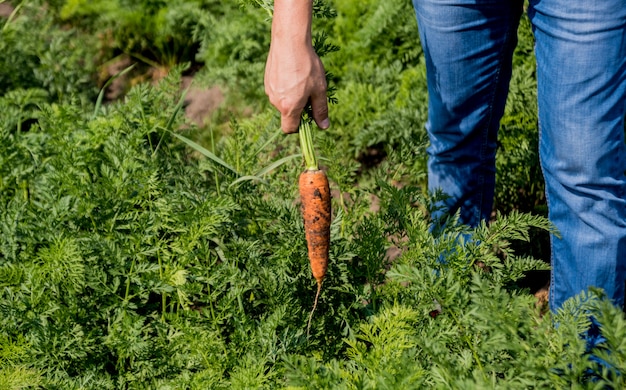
(316, 212)
(315, 198)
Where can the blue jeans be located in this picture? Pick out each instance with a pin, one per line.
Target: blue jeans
(581, 75)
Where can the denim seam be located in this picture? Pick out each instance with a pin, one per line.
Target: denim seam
(551, 299)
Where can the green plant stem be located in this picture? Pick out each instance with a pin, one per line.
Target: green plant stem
(306, 143)
(164, 294)
(468, 341)
(217, 179)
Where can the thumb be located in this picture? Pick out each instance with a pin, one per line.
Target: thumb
(319, 107)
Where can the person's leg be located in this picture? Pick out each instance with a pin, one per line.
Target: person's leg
(581, 71)
(468, 45)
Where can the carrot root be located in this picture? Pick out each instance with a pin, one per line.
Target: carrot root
(316, 213)
(317, 295)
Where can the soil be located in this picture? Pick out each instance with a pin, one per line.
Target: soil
(200, 102)
(542, 295)
(6, 10)
(119, 85)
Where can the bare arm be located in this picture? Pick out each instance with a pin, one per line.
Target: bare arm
(294, 74)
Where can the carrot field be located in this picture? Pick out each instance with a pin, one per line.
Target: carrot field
(151, 226)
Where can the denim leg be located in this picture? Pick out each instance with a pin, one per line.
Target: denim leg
(581, 71)
(468, 46)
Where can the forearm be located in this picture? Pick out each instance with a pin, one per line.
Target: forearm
(291, 23)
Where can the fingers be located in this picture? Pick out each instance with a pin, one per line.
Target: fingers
(290, 121)
(319, 106)
(291, 112)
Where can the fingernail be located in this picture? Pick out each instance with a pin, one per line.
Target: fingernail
(325, 124)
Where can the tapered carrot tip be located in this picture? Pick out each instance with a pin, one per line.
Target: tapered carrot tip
(316, 213)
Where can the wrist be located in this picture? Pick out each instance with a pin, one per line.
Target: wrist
(291, 23)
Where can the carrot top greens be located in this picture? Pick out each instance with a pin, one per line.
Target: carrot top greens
(133, 258)
(306, 145)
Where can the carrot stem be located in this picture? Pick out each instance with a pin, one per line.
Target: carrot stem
(306, 143)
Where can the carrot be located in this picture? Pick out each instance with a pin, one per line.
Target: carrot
(315, 198)
(316, 211)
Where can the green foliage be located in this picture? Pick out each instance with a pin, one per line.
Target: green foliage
(155, 31)
(133, 255)
(444, 325)
(37, 54)
(233, 47)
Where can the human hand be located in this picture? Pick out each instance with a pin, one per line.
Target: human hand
(294, 74)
